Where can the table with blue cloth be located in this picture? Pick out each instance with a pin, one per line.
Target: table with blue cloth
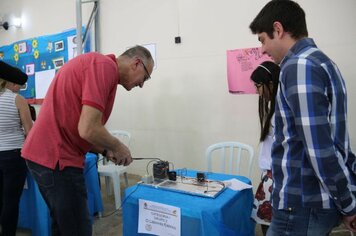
(227, 214)
(34, 213)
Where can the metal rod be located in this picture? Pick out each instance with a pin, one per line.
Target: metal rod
(97, 29)
(90, 22)
(79, 27)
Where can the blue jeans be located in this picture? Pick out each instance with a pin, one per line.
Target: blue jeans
(66, 196)
(303, 221)
(13, 173)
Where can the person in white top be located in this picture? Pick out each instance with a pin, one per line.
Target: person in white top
(265, 77)
(15, 124)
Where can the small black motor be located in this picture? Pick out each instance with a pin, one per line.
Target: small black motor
(160, 170)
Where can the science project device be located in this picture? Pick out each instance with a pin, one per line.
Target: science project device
(176, 181)
(161, 169)
(170, 180)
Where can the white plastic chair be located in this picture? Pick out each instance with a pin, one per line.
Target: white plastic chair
(230, 153)
(110, 170)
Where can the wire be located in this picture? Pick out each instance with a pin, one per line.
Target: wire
(94, 164)
(182, 172)
(152, 160)
(172, 165)
(148, 165)
(205, 182)
(122, 203)
(140, 158)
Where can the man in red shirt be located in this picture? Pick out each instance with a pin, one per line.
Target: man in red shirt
(71, 123)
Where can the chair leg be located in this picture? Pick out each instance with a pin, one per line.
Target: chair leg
(117, 191)
(126, 180)
(107, 185)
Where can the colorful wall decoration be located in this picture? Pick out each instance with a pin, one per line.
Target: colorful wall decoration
(240, 65)
(40, 58)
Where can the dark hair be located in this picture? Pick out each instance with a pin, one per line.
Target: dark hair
(266, 73)
(139, 51)
(32, 112)
(12, 74)
(288, 13)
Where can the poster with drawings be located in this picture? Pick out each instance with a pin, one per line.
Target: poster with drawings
(240, 65)
(40, 58)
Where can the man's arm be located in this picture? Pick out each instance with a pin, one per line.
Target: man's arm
(307, 98)
(91, 129)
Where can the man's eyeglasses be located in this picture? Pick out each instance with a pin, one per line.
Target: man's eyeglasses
(147, 77)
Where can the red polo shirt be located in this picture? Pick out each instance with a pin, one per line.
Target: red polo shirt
(89, 79)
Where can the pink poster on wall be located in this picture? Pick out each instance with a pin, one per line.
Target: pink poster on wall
(240, 65)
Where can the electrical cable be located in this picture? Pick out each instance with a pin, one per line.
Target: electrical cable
(122, 203)
(172, 165)
(148, 166)
(113, 212)
(94, 164)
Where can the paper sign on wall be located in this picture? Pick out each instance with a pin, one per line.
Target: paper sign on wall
(240, 65)
(159, 219)
(43, 80)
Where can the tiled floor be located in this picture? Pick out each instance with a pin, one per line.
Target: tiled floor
(111, 221)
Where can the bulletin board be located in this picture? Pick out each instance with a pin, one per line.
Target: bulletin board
(40, 58)
(240, 65)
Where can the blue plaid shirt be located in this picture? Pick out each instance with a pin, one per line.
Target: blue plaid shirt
(312, 162)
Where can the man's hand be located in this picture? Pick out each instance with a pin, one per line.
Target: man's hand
(350, 222)
(122, 156)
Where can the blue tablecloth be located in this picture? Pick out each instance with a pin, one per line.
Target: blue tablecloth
(95, 203)
(34, 213)
(227, 214)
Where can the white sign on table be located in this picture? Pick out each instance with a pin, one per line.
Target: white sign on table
(159, 219)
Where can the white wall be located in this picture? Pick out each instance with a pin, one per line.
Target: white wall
(186, 106)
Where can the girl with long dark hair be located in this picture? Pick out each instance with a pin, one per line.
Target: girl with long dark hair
(265, 77)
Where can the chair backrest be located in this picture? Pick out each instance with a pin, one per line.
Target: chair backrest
(230, 154)
(122, 135)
